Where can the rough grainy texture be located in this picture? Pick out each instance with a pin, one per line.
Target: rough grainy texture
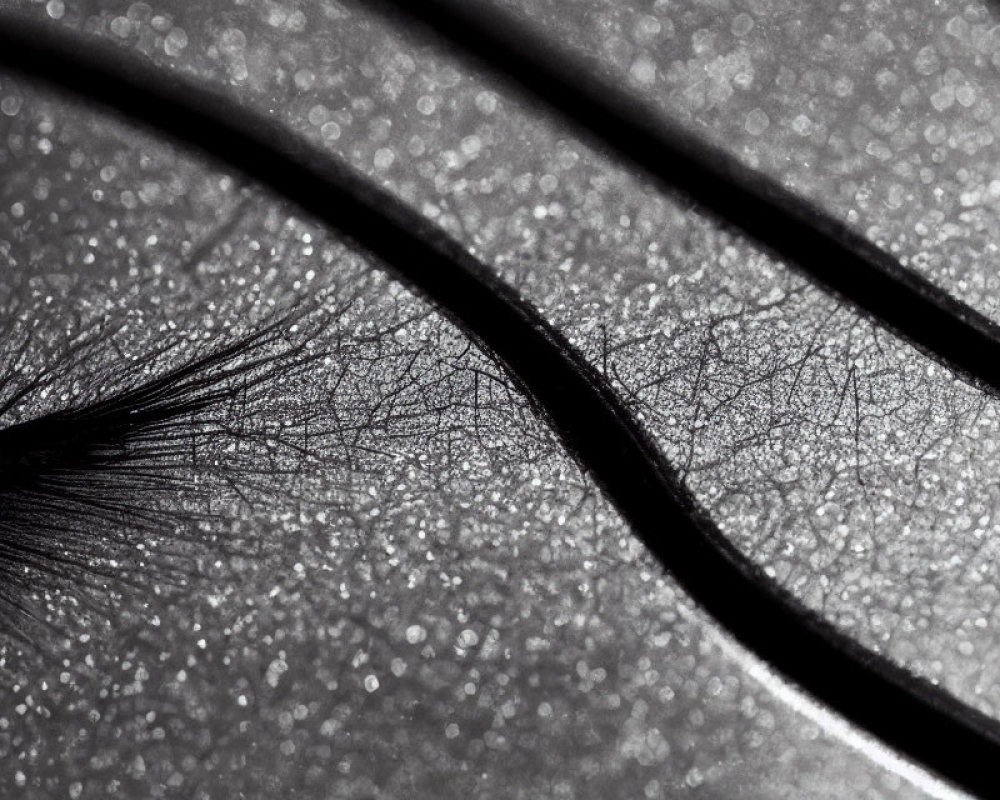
(859, 474)
(885, 113)
(435, 586)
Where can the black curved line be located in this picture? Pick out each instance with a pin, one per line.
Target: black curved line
(910, 714)
(810, 239)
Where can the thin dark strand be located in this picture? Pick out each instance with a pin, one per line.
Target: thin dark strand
(81, 487)
(76, 351)
(918, 719)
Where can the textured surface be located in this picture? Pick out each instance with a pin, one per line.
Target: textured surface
(854, 470)
(884, 113)
(805, 431)
(435, 587)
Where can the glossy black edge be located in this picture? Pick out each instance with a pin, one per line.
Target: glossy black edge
(823, 248)
(918, 719)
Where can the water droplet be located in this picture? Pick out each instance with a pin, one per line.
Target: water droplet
(415, 634)
(175, 41)
(643, 71)
(486, 102)
(757, 122)
(10, 105)
(121, 27)
(330, 131)
(742, 24)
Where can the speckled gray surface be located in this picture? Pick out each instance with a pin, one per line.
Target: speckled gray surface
(484, 622)
(883, 112)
